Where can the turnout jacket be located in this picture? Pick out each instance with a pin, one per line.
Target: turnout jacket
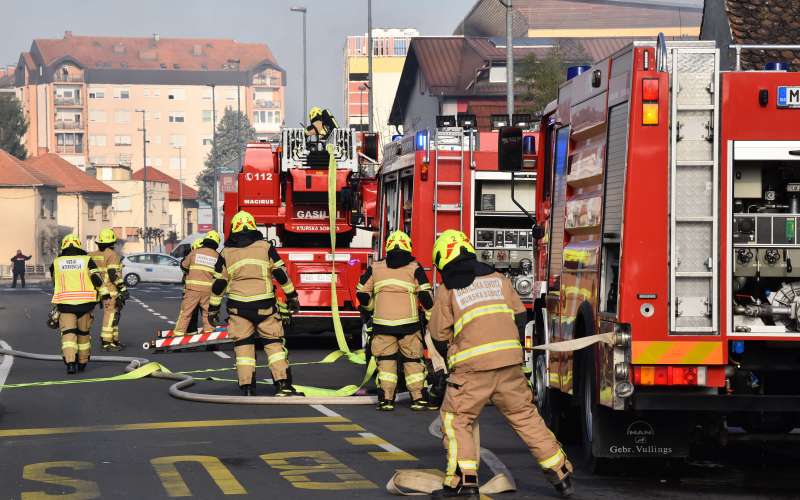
(202, 266)
(110, 267)
(478, 322)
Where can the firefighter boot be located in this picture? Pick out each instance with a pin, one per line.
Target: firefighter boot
(248, 389)
(384, 404)
(561, 479)
(111, 347)
(72, 368)
(81, 366)
(467, 488)
(284, 388)
(424, 403)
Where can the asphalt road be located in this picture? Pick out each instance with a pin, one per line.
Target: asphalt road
(130, 439)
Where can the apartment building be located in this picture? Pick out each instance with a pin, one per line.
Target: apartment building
(389, 48)
(90, 99)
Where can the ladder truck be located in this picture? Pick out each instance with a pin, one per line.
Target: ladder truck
(285, 187)
(448, 178)
(668, 202)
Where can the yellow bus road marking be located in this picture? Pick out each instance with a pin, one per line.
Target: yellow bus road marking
(316, 470)
(344, 428)
(186, 424)
(391, 453)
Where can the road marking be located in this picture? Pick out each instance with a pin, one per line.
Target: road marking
(344, 427)
(5, 366)
(175, 485)
(325, 410)
(392, 453)
(222, 355)
(78, 488)
(299, 474)
(186, 424)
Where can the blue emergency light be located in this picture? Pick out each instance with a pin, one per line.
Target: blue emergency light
(528, 145)
(421, 140)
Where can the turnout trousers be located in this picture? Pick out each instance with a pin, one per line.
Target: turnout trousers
(109, 331)
(192, 300)
(249, 327)
(76, 342)
(385, 348)
(467, 393)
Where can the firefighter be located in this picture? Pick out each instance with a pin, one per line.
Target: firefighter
(476, 323)
(388, 293)
(322, 123)
(110, 266)
(77, 280)
(249, 265)
(202, 266)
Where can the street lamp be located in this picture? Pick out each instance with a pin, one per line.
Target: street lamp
(143, 130)
(180, 188)
(361, 89)
(303, 11)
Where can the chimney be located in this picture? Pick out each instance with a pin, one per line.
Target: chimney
(68, 34)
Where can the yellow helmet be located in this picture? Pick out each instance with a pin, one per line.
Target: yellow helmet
(107, 235)
(243, 220)
(398, 239)
(212, 235)
(314, 113)
(449, 246)
(197, 243)
(71, 240)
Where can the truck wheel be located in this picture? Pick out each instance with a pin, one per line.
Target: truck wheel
(545, 399)
(588, 407)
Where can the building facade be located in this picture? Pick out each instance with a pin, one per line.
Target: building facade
(181, 198)
(88, 98)
(389, 48)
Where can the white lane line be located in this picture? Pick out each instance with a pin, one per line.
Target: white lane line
(222, 355)
(171, 322)
(325, 411)
(386, 446)
(5, 366)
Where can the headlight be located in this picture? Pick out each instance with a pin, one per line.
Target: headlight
(523, 286)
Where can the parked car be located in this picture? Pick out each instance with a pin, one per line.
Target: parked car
(151, 268)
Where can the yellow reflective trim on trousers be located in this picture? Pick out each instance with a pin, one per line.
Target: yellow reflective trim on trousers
(425, 286)
(395, 322)
(482, 349)
(477, 313)
(288, 287)
(452, 445)
(278, 356)
(469, 465)
(553, 461)
(198, 282)
(245, 361)
(387, 376)
(251, 298)
(215, 300)
(414, 378)
(410, 287)
(68, 344)
(84, 346)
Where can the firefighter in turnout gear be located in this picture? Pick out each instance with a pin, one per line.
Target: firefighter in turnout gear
(480, 318)
(322, 123)
(77, 280)
(249, 265)
(110, 266)
(389, 292)
(203, 265)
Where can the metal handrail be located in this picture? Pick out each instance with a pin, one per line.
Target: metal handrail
(739, 47)
(661, 53)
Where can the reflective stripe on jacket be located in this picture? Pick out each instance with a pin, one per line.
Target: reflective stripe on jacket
(248, 271)
(72, 280)
(201, 264)
(478, 321)
(394, 294)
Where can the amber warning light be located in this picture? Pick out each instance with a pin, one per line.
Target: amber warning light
(650, 101)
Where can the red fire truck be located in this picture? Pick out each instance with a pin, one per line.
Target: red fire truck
(285, 187)
(448, 178)
(668, 201)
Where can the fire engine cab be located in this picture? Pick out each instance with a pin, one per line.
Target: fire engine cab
(448, 178)
(668, 197)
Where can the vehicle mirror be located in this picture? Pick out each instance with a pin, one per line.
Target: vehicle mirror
(537, 232)
(509, 149)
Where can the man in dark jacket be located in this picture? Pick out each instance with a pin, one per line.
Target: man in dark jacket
(18, 269)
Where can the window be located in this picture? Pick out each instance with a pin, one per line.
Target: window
(177, 140)
(497, 74)
(90, 211)
(97, 94)
(104, 209)
(52, 208)
(267, 117)
(97, 116)
(152, 115)
(97, 140)
(163, 205)
(122, 93)
(163, 260)
(122, 116)
(121, 203)
(207, 115)
(122, 140)
(208, 141)
(177, 94)
(43, 209)
(176, 117)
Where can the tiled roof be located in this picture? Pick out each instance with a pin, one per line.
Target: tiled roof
(155, 175)
(148, 53)
(765, 22)
(14, 173)
(71, 178)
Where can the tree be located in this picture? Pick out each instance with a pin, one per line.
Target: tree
(541, 77)
(228, 145)
(13, 126)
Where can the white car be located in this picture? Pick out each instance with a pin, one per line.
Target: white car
(151, 267)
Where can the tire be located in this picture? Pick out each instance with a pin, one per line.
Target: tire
(545, 399)
(587, 405)
(132, 280)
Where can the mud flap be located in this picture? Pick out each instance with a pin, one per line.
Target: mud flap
(618, 434)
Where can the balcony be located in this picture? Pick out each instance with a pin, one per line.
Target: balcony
(70, 149)
(68, 125)
(261, 104)
(68, 101)
(62, 78)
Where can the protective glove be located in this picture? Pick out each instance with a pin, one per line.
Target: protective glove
(294, 304)
(213, 315)
(438, 386)
(124, 294)
(52, 318)
(283, 312)
(366, 320)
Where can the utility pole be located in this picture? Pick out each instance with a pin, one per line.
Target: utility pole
(143, 130)
(214, 202)
(180, 188)
(509, 62)
(304, 11)
(369, 64)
